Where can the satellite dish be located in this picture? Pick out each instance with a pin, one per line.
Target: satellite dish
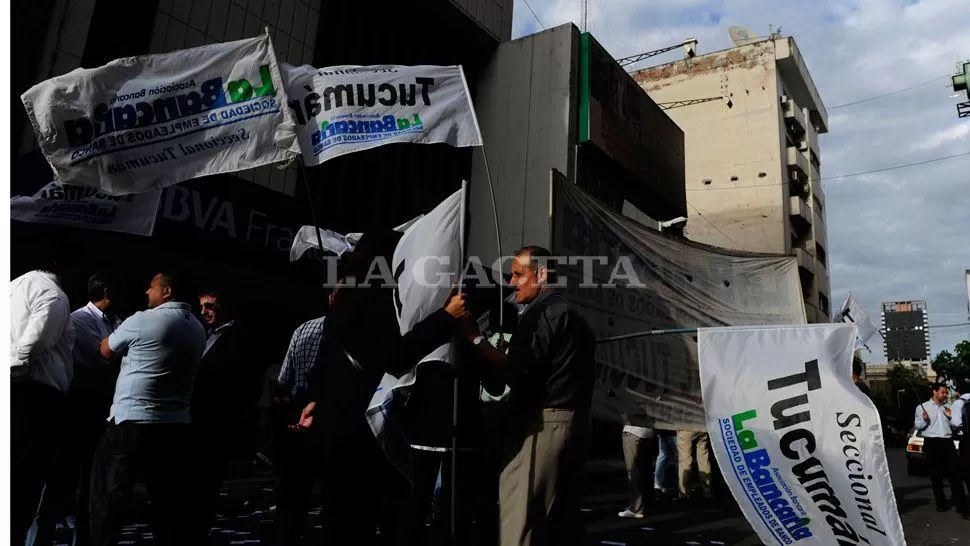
(741, 36)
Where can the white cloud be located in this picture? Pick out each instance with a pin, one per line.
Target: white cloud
(960, 131)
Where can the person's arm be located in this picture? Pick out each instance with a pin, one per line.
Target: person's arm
(48, 316)
(523, 358)
(284, 382)
(956, 421)
(427, 335)
(922, 420)
(118, 342)
(432, 332)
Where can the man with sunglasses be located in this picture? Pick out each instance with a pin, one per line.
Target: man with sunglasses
(224, 407)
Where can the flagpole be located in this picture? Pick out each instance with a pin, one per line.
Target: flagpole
(491, 193)
(454, 395)
(313, 210)
(648, 333)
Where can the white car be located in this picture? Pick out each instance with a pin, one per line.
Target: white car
(914, 453)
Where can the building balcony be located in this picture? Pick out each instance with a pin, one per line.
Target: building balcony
(816, 184)
(794, 118)
(811, 138)
(798, 163)
(806, 262)
(800, 214)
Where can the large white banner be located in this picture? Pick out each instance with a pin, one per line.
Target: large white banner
(427, 261)
(143, 123)
(89, 208)
(344, 109)
(852, 312)
(660, 283)
(800, 446)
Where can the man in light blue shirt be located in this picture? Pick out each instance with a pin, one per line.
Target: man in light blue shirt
(933, 421)
(148, 424)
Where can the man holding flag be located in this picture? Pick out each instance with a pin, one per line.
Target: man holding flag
(361, 342)
(549, 368)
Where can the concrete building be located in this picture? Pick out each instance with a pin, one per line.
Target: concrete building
(905, 327)
(558, 100)
(752, 154)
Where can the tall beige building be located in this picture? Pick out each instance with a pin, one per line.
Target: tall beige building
(752, 154)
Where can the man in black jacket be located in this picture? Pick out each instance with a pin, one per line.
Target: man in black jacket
(224, 408)
(549, 369)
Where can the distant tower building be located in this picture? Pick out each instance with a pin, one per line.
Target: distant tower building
(905, 325)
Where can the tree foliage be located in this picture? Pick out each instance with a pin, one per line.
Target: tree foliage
(953, 368)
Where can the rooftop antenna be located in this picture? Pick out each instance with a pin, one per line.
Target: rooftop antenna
(741, 36)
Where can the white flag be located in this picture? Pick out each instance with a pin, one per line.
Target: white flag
(852, 312)
(88, 208)
(800, 446)
(426, 264)
(344, 109)
(332, 241)
(143, 123)
(306, 239)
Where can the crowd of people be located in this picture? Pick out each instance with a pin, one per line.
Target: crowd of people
(167, 397)
(170, 397)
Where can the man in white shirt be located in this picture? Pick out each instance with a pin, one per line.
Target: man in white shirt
(933, 421)
(961, 426)
(41, 368)
(148, 427)
(88, 402)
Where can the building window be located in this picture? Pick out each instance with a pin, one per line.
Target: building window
(823, 303)
(819, 207)
(820, 254)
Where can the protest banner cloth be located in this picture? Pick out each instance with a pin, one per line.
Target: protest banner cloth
(344, 109)
(650, 281)
(801, 447)
(89, 208)
(143, 123)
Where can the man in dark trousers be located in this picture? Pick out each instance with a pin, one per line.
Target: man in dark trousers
(549, 369)
(41, 370)
(88, 404)
(224, 408)
(960, 421)
(148, 426)
(933, 420)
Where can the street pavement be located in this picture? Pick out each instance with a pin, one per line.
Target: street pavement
(246, 515)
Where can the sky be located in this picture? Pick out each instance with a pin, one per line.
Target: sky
(896, 235)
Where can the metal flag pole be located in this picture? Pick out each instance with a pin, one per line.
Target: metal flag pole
(454, 395)
(648, 333)
(309, 198)
(491, 193)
